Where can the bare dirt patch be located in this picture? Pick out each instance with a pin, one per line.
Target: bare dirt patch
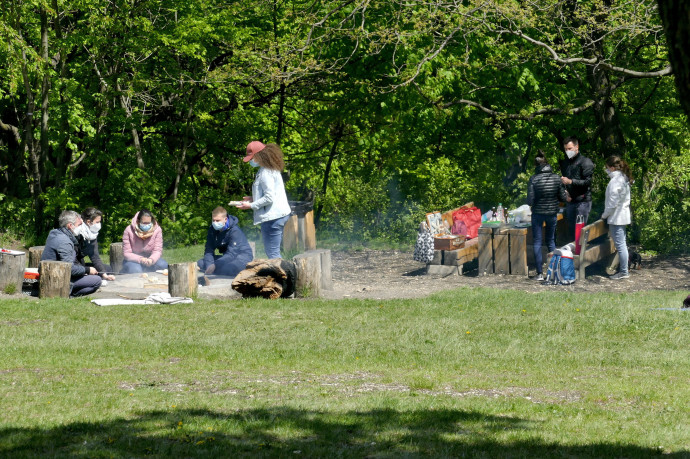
(376, 274)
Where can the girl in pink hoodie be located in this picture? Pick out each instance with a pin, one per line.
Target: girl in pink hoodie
(142, 244)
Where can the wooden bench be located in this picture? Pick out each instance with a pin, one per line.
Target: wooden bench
(596, 246)
(451, 262)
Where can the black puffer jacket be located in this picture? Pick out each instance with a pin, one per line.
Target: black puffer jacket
(579, 170)
(544, 191)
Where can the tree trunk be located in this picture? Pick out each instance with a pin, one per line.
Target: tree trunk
(337, 135)
(127, 106)
(674, 15)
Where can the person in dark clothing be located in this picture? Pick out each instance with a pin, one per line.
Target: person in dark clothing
(88, 242)
(225, 236)
(544, 191)
(576, 175)
(62, 245)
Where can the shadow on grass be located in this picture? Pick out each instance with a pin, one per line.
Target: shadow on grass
(289, 432)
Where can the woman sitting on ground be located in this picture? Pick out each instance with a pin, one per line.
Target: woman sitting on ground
(88, 241)
(142, 244)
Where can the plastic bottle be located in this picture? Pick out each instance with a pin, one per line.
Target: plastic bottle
(494, 215)
(500, 213)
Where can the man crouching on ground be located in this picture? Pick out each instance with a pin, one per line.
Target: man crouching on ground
(61, 245)
(228, 238)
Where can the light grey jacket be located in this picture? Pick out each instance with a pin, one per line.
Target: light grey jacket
(617, 211)
(269, 200)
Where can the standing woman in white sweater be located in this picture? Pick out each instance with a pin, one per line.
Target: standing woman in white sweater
(268, 201)
(617, 211)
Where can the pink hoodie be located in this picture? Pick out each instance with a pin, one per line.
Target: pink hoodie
(136, 248)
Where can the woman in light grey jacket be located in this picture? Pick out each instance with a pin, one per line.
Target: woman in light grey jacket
(268, 200)
(617, 211)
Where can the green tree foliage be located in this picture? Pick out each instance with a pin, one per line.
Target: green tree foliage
(385, 110)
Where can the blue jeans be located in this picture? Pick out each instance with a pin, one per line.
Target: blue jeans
(572, 210)
(538, 221)
(617, 233)
(229, 268)
(86, 285)
(131, 267)
(272, 236)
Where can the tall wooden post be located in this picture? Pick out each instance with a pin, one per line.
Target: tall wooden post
(486, 256)
(182, 280)
(12, 271)
(35, 254)
(116, 256)
(54, 281)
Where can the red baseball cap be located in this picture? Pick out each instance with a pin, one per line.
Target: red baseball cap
(253, 148)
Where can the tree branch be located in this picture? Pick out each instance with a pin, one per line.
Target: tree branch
(591, 61)
(13, 130)
(517, 116)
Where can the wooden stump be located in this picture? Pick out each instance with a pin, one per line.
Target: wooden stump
(116, 256)
(326, 274)
(12, 272)
(274, 278)
(35, 254)
(486, 256)
(182, 281)
(54, 281)
(309, 273)
(518, 251)
(290, 234)
(501, 252)
(299, 232)
(307, 231)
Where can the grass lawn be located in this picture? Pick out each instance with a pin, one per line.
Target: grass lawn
(469, 372)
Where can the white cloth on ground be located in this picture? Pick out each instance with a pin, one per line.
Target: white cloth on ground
(154, 298)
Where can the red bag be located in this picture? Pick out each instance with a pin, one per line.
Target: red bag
(579, 224)
(471, 217)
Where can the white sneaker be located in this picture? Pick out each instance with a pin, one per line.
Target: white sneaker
(619, 275)
(539, 278)
(104, 283)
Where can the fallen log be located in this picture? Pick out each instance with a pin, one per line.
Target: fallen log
(274, 278)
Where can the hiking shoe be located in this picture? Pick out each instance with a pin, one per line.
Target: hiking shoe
(539, 278)
(619, 275)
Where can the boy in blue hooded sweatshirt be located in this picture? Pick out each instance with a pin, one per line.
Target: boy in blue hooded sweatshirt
(225, 236)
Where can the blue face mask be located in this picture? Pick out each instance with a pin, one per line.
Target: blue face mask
(146, 227)
(218, 225)
(253, 163)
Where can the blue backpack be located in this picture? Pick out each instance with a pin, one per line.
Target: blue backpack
(561, 270)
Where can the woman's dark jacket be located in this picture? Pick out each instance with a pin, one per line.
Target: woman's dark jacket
(545, 191)
(90, 249)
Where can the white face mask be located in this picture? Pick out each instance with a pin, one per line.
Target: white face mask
(76, 230)
(570, 153)
(95, 228)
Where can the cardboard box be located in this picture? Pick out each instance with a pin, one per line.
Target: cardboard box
(448, 242)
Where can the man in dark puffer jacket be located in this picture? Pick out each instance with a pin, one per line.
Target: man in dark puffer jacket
(544, 192)
(576, 171)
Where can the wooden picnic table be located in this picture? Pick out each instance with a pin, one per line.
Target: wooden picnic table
(508, 249)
